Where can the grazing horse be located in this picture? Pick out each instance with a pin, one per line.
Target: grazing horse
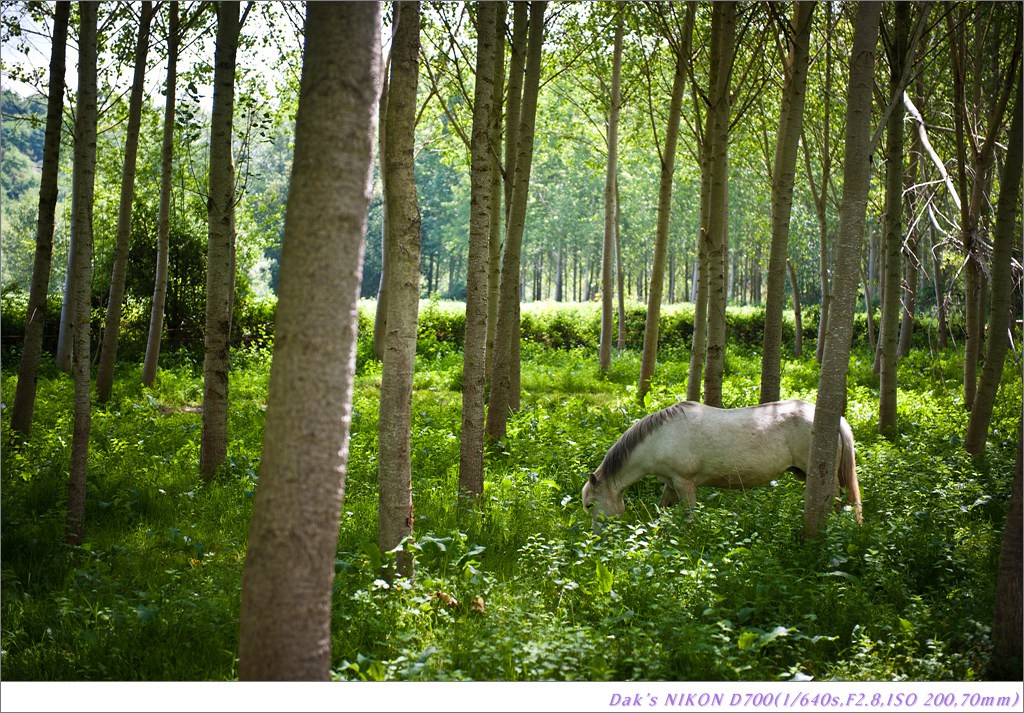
(689, 444)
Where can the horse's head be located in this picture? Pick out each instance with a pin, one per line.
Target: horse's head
(600, 500)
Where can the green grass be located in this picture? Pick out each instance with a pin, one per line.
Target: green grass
(726, 592)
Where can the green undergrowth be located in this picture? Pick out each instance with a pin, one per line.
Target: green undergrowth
(515, 587)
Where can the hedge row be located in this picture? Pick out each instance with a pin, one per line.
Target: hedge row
(442, 326)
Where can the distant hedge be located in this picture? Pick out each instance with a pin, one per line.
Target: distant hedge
(442, 327)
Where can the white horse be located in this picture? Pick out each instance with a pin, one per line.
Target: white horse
(689, 444)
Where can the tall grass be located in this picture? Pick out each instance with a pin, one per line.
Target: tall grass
(517, 587)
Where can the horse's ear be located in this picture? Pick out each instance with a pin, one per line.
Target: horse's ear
(593, 478)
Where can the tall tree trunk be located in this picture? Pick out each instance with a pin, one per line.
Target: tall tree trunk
(723, 45)
(516, 77)
(1002, 286)
(620, 279)
(82, 191)
(982, 159)
(220, 246)
(698, 346)
(395, 515)
(380, 317)
(610, 209)
(482, 170)
(287, 581)
(938, 280)
(505, 377)
(798, 320)
(494, 245)
(163, 221)
(35, 318)
(119, 272)
(821, 198)
(787, 140)
(912, 264)
(893, 230)
(1007, 654)
(821, 485)
(649, 356)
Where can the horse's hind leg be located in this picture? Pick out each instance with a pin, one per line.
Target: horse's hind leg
(669, 497)
(678, 489)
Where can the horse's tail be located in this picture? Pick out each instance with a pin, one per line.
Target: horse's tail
(848, 469)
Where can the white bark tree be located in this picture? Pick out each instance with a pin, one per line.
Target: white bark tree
(285, 626)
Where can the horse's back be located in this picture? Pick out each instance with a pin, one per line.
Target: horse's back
(735, 448)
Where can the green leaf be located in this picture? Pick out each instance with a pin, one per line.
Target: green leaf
(605, 579)
(146, 613)
(748, 639)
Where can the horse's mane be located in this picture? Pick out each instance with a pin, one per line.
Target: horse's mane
(617, 455)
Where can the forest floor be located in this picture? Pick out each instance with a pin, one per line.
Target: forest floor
(517, 587)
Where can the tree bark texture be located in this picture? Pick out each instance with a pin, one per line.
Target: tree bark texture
(28, 371)
(723, 46)
(285, 627)
(610, 208)
(513, 108)
(220, 246)
(698, 346)
(82, 191)
(163, 221)
(505, 376)
(395, 513)
(892, 232)
(497, 215)
(787, 140)
(649, 356)
(979, 164)
(821, 485)
(482, 170)
(798, 320)
(122, 241)
(380, 317)
(999, 319)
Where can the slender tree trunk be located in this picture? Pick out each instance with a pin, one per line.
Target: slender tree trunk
(821, 199)
(893, 230)
(494, 245)
(35, 318)
(610, 209)
(620, 275)
(938, 280)
(287, 581)
(82, 191)
(869, 309)
(380, 317)
(649, 356)
(1002, 286)
(514, 103)
(119, 272)
(1007, 629)
(718, 231)
(791, 117)
(482, 170)
(700, 274)
(798, 320)
(982, 161)
(821, 485)
(505, 377)
(163, 222)
(395, 514)
(219, 260)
